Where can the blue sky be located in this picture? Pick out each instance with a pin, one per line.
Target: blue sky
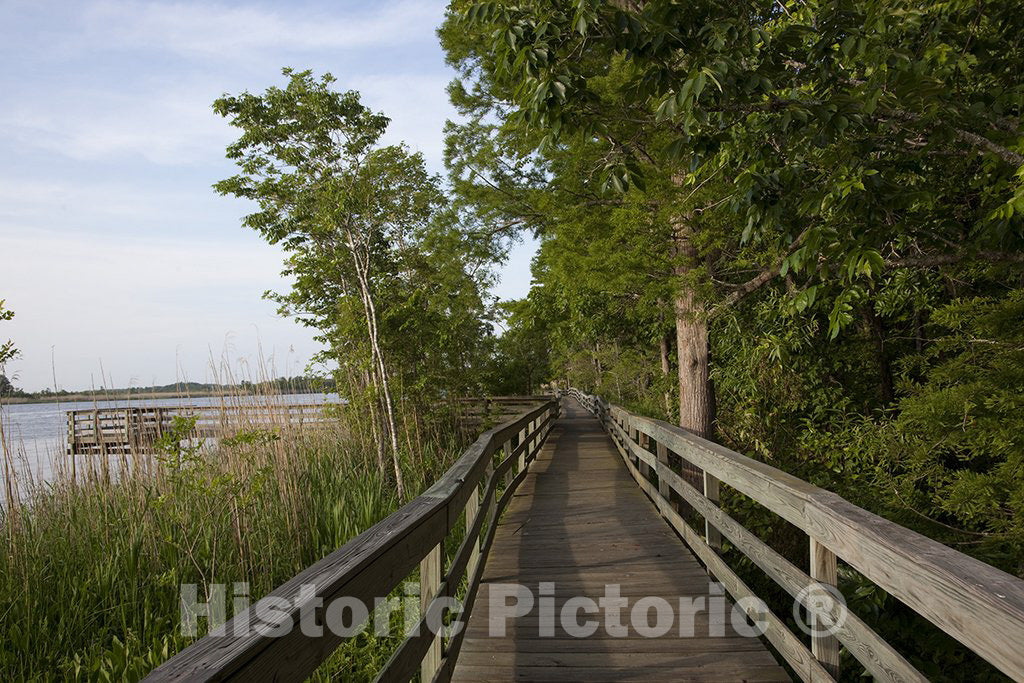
(122, 265)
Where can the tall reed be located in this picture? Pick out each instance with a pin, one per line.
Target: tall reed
(90, 576)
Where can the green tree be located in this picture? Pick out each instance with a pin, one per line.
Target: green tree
(374, 267)
(799, 190)
(521, 352)
(823, 144)
(956, 455)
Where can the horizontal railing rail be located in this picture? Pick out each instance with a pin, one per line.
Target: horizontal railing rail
(975, 603)
(469, 496)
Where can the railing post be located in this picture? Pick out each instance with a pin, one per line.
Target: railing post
(524, 438)
(711, 492)
(628, 420)
(472, 510)
(825, 648)
(664, 490)
(644, 442)
(430, 583)
(493, 505)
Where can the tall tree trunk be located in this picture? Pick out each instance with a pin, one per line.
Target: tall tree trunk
(885, 382)
(666, 368)
(378, 441)
(380, 369)
(695, 401)
(385, 384)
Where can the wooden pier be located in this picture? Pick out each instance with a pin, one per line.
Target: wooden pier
(477, 413)
(135, 429)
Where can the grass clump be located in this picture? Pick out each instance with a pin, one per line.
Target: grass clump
(91, 569)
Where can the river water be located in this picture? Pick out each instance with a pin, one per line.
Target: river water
(36, 433)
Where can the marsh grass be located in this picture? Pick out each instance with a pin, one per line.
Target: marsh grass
(92, 563)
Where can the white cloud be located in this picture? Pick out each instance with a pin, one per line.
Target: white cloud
(174, 124)
(160, 111)
(165, 124)
(101, 264)
(114, 205)
(236, 32)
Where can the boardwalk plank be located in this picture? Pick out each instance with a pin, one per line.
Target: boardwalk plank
(579, 521)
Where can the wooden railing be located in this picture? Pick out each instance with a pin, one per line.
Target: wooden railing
(481, 412)
(975, 603)
(470, 497)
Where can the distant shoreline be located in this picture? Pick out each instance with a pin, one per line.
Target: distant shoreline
(135, 395)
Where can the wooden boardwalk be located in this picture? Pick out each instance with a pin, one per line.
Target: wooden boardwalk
(579, 521)
(552, 509)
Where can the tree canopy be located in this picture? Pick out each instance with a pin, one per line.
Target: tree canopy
(792, 226)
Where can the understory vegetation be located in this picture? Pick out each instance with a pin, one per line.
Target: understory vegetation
(96, 563)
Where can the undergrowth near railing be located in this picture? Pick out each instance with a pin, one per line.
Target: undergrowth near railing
(91, 569)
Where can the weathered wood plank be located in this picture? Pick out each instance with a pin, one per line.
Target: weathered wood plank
(711, 493)
(462, 619)
(430, 585)
(877, 656)
(579, 523)
(410, 654)
(778, 634)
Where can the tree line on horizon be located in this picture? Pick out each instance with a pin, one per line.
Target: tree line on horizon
(301, 384)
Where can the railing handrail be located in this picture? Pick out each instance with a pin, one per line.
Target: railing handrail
(975, 603)
(374, 563)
